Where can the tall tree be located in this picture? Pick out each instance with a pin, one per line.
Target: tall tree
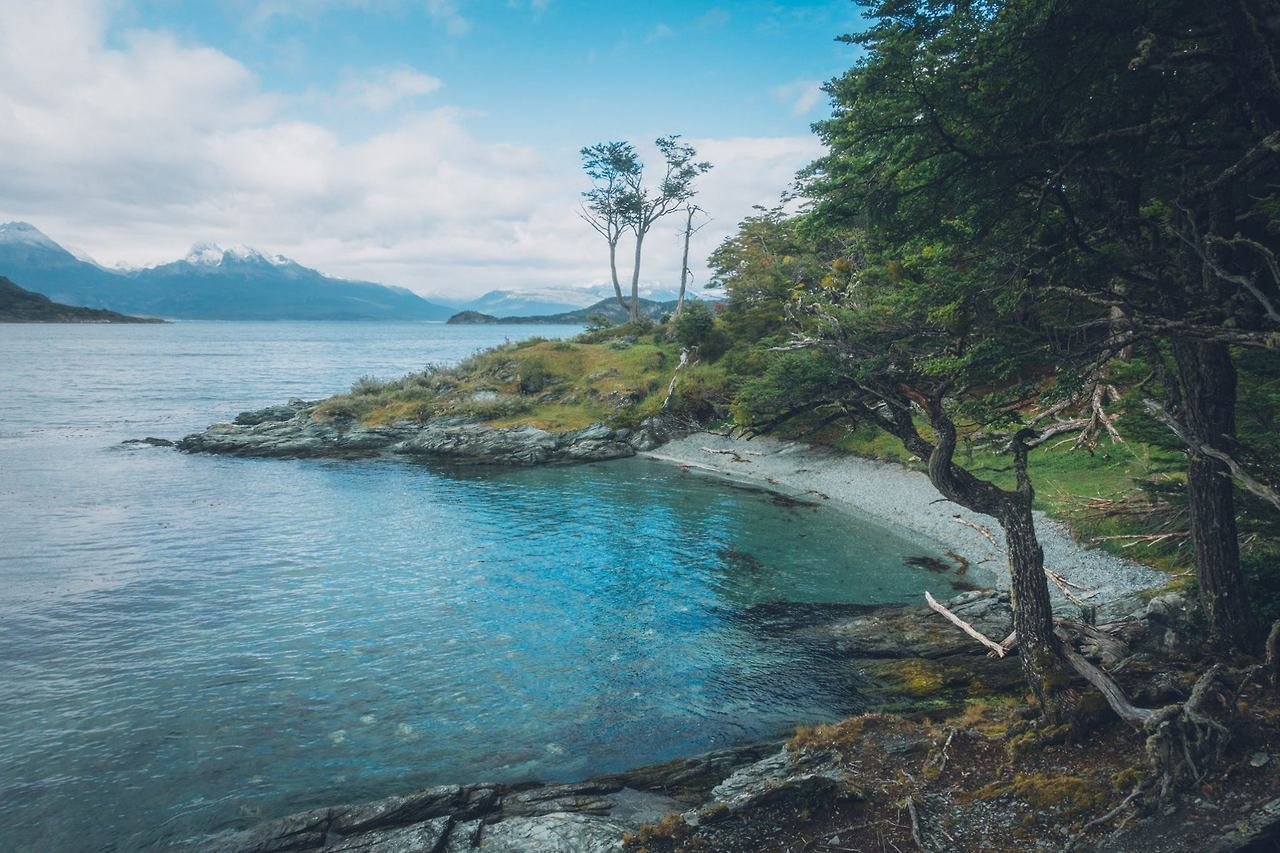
(604, 208)
(645, 205)
(691, 210)
(620, 200)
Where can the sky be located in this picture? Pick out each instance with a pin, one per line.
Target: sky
(431, 144)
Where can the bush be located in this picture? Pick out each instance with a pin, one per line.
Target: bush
(535, 376)
(597, 322)
(693, 324)
(367, 385)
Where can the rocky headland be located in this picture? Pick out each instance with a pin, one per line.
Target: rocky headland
(293, 431)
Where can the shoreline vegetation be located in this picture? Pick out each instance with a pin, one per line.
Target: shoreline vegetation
(953, 718)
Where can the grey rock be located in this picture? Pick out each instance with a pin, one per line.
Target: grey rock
(781, 776)
(553, 833)
(425, 837)
(456, 800)
(1259, 831)
(284, 412)
(150, 441)
(896, 632)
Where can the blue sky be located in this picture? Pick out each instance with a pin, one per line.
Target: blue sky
(427, 143)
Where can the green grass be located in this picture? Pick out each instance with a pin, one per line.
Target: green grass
(554, 385)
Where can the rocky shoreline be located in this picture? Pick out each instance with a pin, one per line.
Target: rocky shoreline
(913, 659)
(293, 431)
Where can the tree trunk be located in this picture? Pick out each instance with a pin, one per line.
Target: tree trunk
(635, 278)
(1041, 659)
(684, 264)
(1208, 380)
(613, 271)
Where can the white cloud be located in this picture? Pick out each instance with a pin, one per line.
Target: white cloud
(387, 88)
(134, 149)
(446, 12)
(801, 95)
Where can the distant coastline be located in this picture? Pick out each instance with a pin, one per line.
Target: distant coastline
(18, 305)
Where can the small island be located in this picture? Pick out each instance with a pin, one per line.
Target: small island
(606, 311)
(19, 305)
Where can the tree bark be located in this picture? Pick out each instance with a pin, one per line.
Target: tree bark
(613, 271)
(684, 264)
(1208, 380)
(635, 277)
(1041, 658)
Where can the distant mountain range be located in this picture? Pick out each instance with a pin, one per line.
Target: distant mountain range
(18, 305)
(210, 283)
(605, 307)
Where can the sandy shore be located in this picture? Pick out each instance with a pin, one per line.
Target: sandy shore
(890, 494)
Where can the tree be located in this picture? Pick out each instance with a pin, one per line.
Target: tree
(1127, 156)
(620, 200)
(690, 210)
(914, 335)
(608, 164)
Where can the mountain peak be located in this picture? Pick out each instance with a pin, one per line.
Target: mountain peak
(25, 233)
(211, 254)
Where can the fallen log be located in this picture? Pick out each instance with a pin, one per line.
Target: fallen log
(965, 626)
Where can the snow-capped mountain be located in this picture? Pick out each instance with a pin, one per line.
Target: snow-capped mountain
(210, 282)
(211, 254)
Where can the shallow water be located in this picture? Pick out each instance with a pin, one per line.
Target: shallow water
(193, 643)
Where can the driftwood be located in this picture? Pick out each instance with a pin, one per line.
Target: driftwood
(675, 376)
(1271, 655)
(965, 626)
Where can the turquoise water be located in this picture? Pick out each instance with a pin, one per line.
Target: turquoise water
(192, 643)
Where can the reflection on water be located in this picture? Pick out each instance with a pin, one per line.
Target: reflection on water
(195, 643)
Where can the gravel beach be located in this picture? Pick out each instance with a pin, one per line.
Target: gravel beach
(891, 494)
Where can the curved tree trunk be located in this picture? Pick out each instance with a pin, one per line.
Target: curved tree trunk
(1208, 380)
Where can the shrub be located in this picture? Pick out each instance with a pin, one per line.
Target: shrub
(693, 324)
(367, 385)
(535, 376)
(597, 322)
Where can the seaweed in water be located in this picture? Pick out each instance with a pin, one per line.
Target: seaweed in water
(931, 563)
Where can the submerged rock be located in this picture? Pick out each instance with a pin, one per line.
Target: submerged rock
(915, 631)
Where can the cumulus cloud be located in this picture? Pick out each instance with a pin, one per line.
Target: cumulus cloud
(136, 146)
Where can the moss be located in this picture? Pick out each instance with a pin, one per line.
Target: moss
(922, 677)
(845, 733)
(1063, 793)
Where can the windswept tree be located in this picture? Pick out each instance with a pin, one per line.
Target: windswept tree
(620, 199)
(604, 206)
(1126, 155)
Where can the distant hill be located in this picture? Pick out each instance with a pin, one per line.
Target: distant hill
(210, 283)
(505, 303)
(18, 305)
(607, 307)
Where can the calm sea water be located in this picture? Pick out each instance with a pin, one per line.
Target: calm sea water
(193, 643)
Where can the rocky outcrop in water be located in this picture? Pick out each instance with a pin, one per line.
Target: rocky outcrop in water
(293, 431)
(582, 817)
